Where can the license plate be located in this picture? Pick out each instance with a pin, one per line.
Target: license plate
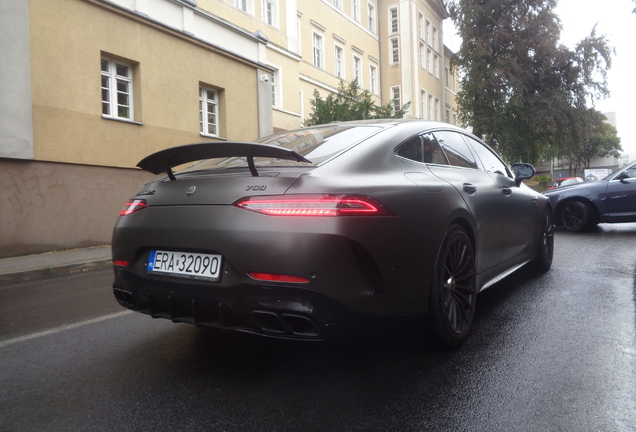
(185, 265)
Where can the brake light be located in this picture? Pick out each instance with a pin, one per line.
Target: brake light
(120, 263)
(314, 205)
(133, 206)
(272, 277)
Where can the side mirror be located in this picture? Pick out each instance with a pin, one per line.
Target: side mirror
(522, 171)
(622, 176)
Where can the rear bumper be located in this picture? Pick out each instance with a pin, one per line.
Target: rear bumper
(269, 310)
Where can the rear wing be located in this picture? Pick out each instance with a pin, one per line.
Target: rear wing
(164, 160)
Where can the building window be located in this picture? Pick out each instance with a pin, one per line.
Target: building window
(373, 79)
(423, 103)
(395, 51)
(208, 111)
(339, 61)
(395, 98)
(371, 18)
(117, 89)
(355, 10)
(274, 81)
(420, 26)
(429, 60)
(357, 69)
(337, 4)
(422, 55)
(268, 11)
(242, 5)
(436, 66)
(435, 40)
(447, 117)
(393, 20)
(428, 32)
(437, 110)
(431, 107)
(318, 62)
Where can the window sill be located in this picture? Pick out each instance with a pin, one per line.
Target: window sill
(105, 117)
(213, 136)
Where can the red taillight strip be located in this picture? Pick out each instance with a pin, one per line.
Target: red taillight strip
(272, 277)
(314, 205)
(120, 263)
(133, 206)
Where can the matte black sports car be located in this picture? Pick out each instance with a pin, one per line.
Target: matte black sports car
(305, 233)
(583, 206)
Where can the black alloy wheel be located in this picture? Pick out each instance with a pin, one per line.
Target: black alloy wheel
(576, 216)
(453, 289)
(545, 249)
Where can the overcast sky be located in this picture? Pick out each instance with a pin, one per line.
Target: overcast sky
(614, 19)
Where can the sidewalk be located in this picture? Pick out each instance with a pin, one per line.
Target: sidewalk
(50, 263)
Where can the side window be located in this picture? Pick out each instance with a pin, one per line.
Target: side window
(456, 149)
(412, 149)
(490, 161)
(432, 152)
(423, 149)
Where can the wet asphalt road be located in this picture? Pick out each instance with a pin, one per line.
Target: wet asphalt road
(554, 352)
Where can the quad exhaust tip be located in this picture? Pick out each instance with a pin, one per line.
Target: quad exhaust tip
(286, 323)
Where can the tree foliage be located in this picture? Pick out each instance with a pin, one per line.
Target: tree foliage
(521, 90)
(349, 103)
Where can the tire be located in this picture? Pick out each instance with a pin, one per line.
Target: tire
(453, 291)
(577, 216)
(545, 249)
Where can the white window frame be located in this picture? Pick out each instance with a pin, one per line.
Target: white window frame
(422, 55)
(246, 6)
(204, 111)
(357, 69)
(429, 60)
(269, 12)
(373, 79)
(394, 23)
(428, 31)
(396, 99)
(117, 101)
(276, 91)
(338, 61)
(337, 3)
(317, 42)
(371, 21)
(437, 109)
(436, 65)
(395, 50)
(420, 25)
(355, 10)
(435, 39)
(431, 107)
(423, 103)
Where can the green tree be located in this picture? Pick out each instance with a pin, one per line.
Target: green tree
(349, 103)
(521, 90)
(596, 139)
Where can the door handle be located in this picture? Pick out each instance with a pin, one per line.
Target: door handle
(469, 188)
(506, 191)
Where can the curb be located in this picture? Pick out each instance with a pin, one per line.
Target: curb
(56, 270)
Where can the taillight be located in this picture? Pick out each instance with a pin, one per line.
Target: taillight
(133, 206)
(272, 277)
(314, 205)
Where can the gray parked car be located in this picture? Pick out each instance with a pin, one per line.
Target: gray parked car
(610, 200)
(303, 234)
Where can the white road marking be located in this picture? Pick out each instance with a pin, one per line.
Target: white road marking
(63, 328)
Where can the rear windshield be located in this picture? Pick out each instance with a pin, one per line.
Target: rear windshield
(317, 144)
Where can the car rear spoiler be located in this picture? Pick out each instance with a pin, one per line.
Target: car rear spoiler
(165, 160)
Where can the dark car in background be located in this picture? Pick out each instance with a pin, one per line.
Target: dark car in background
(583, 206)
(565, 181)
(304, 234)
